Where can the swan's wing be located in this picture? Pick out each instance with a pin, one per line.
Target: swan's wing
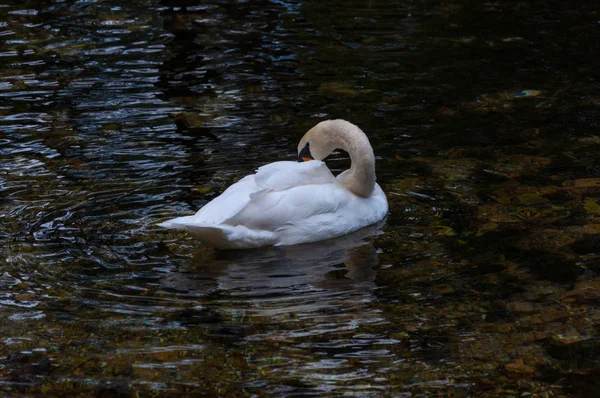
(311, 212)
(279, 176)
(224, 206)
(289, 191)
(278, 209)
(352, 213)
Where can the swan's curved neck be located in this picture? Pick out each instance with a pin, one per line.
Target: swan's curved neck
(360, 178)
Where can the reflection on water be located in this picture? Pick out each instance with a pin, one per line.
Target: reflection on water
(270, 272)
(482, 282)
(311, 297)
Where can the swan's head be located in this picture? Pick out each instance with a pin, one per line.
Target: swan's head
(330, 135)
(304, 154)
(322, 139)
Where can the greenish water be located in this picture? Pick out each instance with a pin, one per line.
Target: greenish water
(483, 281)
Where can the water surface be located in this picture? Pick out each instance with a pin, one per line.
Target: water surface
(483, 281)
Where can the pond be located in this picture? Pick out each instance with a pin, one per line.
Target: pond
(482, 281)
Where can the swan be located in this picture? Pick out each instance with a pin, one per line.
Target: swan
(288, 202)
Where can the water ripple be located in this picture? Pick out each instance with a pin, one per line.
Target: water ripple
(93, 154)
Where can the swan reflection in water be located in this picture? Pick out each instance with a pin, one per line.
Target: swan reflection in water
(278, 280)
(303, 312)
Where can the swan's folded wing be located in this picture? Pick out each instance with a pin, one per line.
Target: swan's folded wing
(252, 196)
(278, 208)
(226, 205)
(279, 176)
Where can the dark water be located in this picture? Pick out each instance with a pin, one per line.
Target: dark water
(484, 280)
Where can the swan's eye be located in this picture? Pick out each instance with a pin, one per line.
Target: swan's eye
(304, 155)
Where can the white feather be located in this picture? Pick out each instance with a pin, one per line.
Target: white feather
(284, 203)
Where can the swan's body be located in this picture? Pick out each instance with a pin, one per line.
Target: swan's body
(287, 203)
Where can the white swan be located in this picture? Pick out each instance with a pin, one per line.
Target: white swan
(287, 203)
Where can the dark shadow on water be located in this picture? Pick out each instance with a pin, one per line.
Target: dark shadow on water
(340, 263)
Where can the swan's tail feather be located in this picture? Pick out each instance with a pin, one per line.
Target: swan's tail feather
(222, 236)
(176, 223)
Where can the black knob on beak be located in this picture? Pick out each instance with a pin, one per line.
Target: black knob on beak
(304, 155)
